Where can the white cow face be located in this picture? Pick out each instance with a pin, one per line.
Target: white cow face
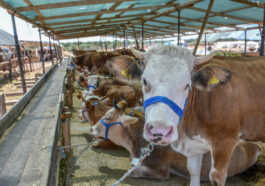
(167, 73)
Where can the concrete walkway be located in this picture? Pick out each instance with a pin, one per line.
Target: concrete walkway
(24, 152)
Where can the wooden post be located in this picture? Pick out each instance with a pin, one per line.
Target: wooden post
(205, 44)
(135, 37)
(245, 46)
(142, 36)
(203, 26)
(66, 134)
(178, 27)
(18, 54)
(36, 77)
(41, 53)
(50, 46)
(56, 53)
(10, 71)
(262, 36)
(2, 105)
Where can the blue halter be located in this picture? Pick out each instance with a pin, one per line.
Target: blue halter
(91, 86)
(167, 101)
(108, 125)
(83, 111)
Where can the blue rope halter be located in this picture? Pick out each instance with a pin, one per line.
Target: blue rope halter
(108, 125)
(83, 111)
(91, 86)
(161, 99)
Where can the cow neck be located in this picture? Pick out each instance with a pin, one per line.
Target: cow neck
(135, 132)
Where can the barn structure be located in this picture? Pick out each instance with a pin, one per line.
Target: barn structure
(30, 131)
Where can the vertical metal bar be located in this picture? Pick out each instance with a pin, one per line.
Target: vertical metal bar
(50, 46)
(205, 44)
(41, 53)
(150, 42)
(142, 36)
(78, 44)
(124, 35)
(262, 36)
(245, 47)
(203, 26)
(18, 54)
(178, 27)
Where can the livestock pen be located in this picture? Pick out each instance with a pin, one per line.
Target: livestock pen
(51, 135)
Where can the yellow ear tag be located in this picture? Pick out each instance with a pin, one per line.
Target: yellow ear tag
(124, 73)
(213, 81)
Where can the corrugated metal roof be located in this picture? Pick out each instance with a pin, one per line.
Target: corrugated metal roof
(80, 18)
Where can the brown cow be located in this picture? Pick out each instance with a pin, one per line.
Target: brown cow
(163, 160)
(92, 110)
(124, 67)
(225, 104)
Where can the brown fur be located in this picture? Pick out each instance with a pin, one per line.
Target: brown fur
(233, 108)
(163, 159)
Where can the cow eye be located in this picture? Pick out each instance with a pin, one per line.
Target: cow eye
(187, 86)
(107, 119)
(144, 81)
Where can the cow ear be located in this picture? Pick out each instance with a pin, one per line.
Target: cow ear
(210, 77)
(138, 54)
(128, 120)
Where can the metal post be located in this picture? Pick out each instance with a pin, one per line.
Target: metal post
(124, 35)
(150, 42)
(142, 36)
(78, 44)
(162, 41)
(205, 44)
(18, 54)
(41, 53)
(245, 47)
(262, 36)
(178, 27)
(50, 46)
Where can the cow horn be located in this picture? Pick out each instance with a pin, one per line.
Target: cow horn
(115, 105)
(201, 60)
(138, 54)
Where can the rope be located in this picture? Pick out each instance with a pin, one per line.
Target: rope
(135, 163)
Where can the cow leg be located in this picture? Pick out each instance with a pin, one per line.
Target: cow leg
(194, 167)
(220, 158)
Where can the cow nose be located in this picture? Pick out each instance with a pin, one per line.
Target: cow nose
(158, 133)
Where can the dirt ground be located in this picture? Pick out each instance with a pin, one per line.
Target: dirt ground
(6, 86)
(89, 166)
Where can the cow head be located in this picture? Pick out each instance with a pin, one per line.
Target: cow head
(167, 75)
(116, 133)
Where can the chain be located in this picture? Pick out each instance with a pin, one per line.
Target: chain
(136, 162)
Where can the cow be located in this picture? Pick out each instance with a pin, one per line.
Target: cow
(124, 67)
(162, 160)
(200, 107)
(93, 108)
(95, 62)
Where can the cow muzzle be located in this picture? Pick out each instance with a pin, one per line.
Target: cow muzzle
(158, 133)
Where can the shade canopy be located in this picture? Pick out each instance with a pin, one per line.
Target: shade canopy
(65, 19)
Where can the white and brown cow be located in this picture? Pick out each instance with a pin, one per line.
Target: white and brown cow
(129, 135)
(225, 103)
